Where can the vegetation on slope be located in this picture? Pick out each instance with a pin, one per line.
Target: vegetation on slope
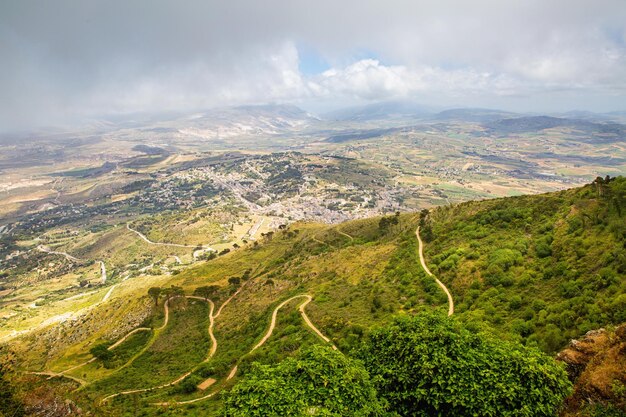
(319, 381)
(536, 269)
(427, 365)
(430, 365)
(181, 345)
(544, 268)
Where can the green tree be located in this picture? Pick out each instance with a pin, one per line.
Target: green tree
(155, 293)
(172, 291)
(102, 352)
(318, 382)
(206, 292)
(429, 365)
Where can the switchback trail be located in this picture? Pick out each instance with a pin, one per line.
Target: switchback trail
(304, 316)
(264, 339)
(443, 287)
(186, 374)
(113, 346)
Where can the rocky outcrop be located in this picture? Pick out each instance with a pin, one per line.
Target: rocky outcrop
(596, 364)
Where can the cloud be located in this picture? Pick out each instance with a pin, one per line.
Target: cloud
(368, 79)
(65, 60)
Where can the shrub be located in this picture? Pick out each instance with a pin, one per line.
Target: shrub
(429, 365)
(319, 381)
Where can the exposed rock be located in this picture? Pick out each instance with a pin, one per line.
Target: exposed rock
(597, 366)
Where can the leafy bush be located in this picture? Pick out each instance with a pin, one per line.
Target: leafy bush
(102, 352)
(319, 382)
(429, 365)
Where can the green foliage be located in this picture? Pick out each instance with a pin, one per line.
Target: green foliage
(178, 348)
(429, 365)
(102, 352)
(10, 405)
(207, 291)
(561, 255)
(318, 382)
(385, 223)
(155, 293)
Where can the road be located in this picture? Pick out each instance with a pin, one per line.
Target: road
(265, 338)
(423, 262)
(103, 272)
(108, 294)
(256, 227)
(113, 346)
(69, 257)
(345, 234)
(103, 269)
(176, 245)
(185, 375)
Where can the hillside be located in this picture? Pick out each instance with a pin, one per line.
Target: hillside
(535, 270)
(546, 268)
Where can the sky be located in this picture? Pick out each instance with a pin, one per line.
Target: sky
(64, 61)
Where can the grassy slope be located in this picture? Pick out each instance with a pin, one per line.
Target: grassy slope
(182, 344)
(530, 267)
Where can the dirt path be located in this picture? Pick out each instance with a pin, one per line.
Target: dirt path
(113, 346)
(423, 262)
(322, 242)
(310, 323)
(157, 331)
(103, 270)
(265, 338)
(108, 294)
(175, 245)
(69, 257)
(57, 375)
(185, 375)
(345, 234)
(132, 332)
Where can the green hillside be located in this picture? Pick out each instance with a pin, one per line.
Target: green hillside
(535, 270)
(544, 268)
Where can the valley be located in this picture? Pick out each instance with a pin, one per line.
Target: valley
(153, 279)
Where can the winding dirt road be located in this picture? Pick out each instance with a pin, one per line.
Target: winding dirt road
(345, 234)
(264, 339)
(186, 374)
(175, 245)
(423, 262)
(270, 330)
(103, 269)
(69, 257)
(113, 346)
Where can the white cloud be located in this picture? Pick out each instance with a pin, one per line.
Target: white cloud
(68, 59)
(368, 79)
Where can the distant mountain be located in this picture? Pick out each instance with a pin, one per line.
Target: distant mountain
(597, 132)
(380, 111)
(245, 120)
(473, 115)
